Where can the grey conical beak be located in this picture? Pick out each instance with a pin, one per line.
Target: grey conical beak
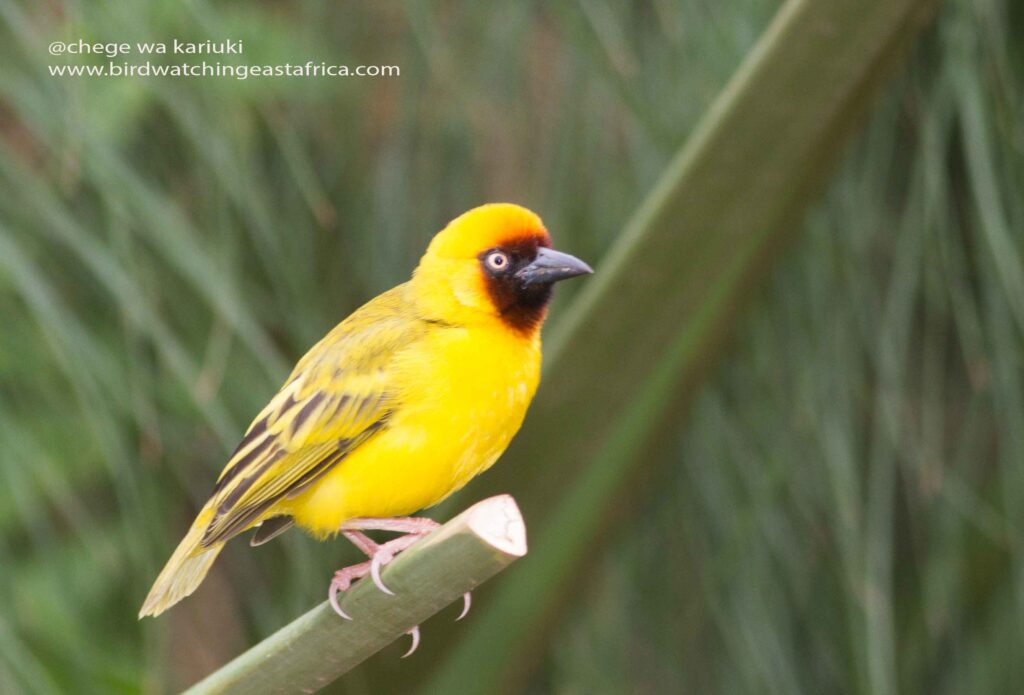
(550, 266)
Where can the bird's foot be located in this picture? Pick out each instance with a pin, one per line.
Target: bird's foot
(381, 554)
(343, 579)
(385, 553)
(467, 601)
(415, 632)
(341, 582)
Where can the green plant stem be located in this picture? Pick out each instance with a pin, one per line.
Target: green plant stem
(318, 647)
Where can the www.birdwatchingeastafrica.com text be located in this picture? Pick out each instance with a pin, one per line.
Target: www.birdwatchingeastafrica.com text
(194, 61)
(239, 72)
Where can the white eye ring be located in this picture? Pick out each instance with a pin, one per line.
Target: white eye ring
(496, 260)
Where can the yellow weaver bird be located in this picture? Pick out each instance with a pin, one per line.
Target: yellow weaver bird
(399, 406)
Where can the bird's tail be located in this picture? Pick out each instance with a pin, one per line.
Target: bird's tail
(184, 571)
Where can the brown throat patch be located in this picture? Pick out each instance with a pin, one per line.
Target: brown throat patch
(522, 308)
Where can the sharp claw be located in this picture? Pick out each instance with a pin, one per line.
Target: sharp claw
(375, 573)
(332, 596)
(467, 601)
(415, 632)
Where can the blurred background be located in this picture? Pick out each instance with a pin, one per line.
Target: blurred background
(839, 510)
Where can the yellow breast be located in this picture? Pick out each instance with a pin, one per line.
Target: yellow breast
(462, 395)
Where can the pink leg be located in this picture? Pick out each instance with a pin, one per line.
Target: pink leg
(367, 546)
(381, 554)
(400, 524)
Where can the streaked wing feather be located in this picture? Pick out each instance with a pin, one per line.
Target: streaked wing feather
(339, 395)
(271, 529)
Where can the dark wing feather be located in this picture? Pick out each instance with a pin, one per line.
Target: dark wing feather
(339, 395)
(270, 529)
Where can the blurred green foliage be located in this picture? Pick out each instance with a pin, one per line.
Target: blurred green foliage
(844, 506)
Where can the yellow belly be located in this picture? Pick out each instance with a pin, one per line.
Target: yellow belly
(461, 402)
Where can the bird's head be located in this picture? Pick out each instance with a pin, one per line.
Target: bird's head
(494, 261)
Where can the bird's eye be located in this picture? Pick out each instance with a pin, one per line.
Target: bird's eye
(496, 261)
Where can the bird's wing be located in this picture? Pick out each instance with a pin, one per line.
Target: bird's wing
(340, 394)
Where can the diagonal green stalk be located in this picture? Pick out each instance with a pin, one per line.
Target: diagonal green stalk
(644, 333)
(319, 646)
